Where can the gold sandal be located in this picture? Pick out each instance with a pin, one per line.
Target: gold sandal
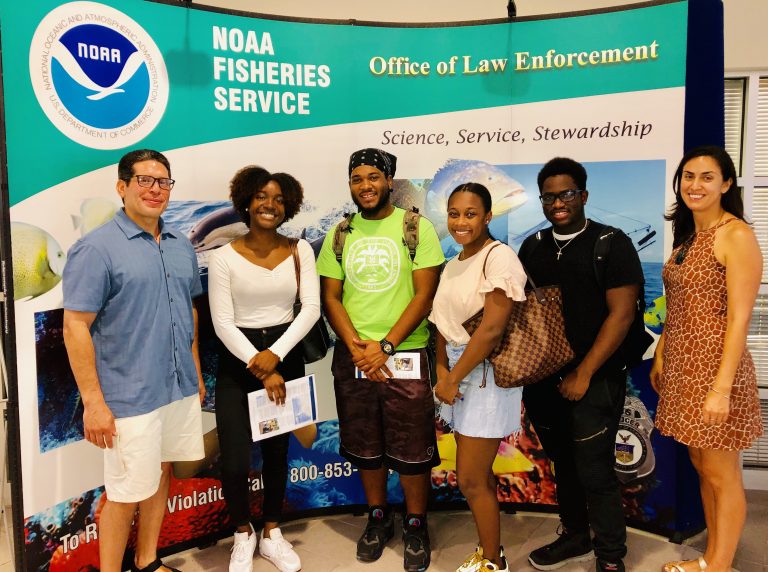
(678, 566)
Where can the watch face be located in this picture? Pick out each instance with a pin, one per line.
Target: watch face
(387, 347)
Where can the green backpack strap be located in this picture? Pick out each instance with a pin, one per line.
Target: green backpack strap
(411, 231)
(340, 235)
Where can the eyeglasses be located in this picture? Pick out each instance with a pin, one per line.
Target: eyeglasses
(147, 181)
(565, 196)
(681, 254)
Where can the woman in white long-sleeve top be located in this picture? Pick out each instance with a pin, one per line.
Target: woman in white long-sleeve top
(252, 289)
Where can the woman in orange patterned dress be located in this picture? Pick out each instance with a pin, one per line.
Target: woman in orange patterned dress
(705, 377)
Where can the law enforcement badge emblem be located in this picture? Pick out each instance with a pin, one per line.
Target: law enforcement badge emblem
(634, 454)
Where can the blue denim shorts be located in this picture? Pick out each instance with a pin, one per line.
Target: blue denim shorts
(490, 411)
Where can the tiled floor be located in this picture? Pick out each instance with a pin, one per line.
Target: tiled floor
(328, 544)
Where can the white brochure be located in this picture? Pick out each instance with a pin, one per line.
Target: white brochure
(300, 409)
(403, 365)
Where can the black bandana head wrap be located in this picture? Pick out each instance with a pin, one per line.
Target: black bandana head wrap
(383, 161)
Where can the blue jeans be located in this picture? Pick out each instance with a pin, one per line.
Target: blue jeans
(579, 437)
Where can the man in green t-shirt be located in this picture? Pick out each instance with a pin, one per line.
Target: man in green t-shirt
(376, 300)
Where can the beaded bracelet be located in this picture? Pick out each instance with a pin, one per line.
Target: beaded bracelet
(726, 395)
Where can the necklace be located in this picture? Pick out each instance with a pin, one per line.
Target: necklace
(570, 239)
(714, 225)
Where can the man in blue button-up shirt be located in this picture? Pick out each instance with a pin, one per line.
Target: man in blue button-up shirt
(130, 332)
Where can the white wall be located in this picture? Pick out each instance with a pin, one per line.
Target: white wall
(746, 43)
(409, 10)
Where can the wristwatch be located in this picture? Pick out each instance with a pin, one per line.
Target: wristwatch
(387, 347)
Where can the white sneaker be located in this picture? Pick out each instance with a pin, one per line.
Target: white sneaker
(279, 551)
(242, 551)
(476, 563)
(472, 561)
(487, 566)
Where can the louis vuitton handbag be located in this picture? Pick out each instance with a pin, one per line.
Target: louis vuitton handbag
(534, 345)
(315, 344)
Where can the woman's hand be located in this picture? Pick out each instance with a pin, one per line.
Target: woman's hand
(275, 386)
(657, 370)
(447, 389)
(263, 363)
(715, 409)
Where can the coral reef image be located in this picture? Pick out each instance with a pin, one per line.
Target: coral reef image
(522, 469)
(60, 411)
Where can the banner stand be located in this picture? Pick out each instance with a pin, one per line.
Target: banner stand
(471, 95)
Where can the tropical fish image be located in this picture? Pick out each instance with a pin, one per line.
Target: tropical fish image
(656, 314)
(506, 193)
(38, 260)
(508, 460)
(217, 229)
(93, 213)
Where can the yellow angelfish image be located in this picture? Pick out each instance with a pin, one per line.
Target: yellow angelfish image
(93, 213)
(509, 460)
(38, 260)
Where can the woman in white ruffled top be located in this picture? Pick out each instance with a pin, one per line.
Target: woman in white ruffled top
(485, 275)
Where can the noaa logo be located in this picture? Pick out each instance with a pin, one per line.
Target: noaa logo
(98, 76)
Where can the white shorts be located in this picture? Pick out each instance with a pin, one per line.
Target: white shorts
(173, 432)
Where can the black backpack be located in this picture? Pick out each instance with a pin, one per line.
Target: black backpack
(637, 340)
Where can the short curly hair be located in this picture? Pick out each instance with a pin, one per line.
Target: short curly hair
(563, 166)
(251, 179)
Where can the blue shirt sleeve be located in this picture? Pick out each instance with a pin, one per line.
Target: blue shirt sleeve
(196, 288)
(86, 280)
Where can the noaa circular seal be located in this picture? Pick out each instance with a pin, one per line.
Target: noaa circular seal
(98, 76)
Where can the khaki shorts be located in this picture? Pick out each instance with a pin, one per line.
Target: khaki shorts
(173, 432)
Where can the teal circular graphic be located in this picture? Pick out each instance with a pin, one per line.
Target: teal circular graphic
(98, 76)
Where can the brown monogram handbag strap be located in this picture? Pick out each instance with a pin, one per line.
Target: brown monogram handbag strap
(296, 266)
(537, 291)
(487, 254)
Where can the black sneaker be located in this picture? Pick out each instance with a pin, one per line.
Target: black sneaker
(567, 548)
(417, 553)
(379, 530)
(606, 566)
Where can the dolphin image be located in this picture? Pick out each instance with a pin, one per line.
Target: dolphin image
(217, 229)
